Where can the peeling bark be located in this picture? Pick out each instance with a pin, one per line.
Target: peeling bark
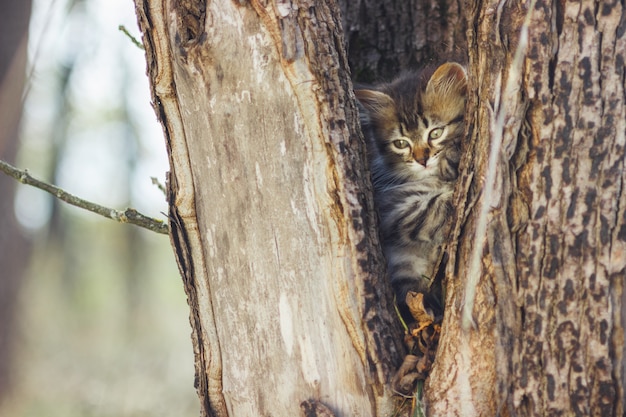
(270, 207)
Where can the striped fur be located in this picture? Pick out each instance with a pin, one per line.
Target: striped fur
(414, 127)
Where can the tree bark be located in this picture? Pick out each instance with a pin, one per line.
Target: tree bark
(385, 37)
(273, 227)
(270, 207)
(547, 334)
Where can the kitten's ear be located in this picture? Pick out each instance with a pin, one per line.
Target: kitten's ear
(377, 104)
(449, 79)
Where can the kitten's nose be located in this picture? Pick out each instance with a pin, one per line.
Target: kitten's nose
(421, 156)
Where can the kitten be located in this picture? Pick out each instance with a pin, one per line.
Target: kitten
(414, 127)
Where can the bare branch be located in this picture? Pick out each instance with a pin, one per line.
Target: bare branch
(134, 40)
(129, 215)
(155, 181)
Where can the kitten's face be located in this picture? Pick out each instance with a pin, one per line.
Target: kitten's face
(415, 127)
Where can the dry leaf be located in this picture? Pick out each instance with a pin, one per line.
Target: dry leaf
(404, 379)
(421, 340)
(415, 301)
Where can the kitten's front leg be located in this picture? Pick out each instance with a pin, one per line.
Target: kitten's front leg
(415, 233)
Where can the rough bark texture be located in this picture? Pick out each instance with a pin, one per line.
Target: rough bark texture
(272, 220)
(385, 37)
(271, 210)
(572, 256)
(14, 248)
(548, 335)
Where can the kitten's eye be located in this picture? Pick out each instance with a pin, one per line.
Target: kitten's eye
(401, 143)
(435, 133)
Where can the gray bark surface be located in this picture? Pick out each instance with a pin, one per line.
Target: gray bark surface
(271, 210)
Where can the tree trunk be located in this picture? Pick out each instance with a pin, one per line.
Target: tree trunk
(14, 248)
(271, 212)
(385, 37)
(546, 329)
(272, 221)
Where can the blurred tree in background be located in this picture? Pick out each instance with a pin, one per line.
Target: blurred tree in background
(101, 323)
(14, 247)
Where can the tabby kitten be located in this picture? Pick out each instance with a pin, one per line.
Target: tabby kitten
(414, 127)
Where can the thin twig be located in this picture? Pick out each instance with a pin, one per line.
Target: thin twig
(134, 40)
(395, 306)
(155, 181)
(129, 215)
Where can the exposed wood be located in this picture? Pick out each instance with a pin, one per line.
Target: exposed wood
(271, 210)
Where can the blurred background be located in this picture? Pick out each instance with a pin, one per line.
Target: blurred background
(93, 317)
